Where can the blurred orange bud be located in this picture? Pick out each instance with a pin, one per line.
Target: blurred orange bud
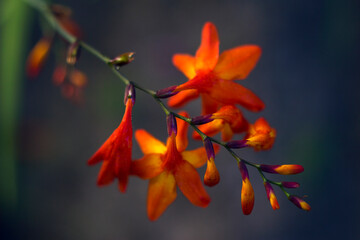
(78, 78)
(59, 75)
(37, 57)
(212, 176)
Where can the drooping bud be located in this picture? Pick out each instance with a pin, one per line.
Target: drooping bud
(287, 169)
(122, 60)
(199, 120)
(171, 124)
(209, 148)
(73, 53)
(247, 191)
(271, 196)
(290, 184)
(212, 176)
(37, 57)
(78, 78)
(130, 93)
(166, 92)
(300, 203)
(237, 144)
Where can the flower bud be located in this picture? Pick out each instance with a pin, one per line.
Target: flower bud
(212, 176)
(286, 169)
(130, 93)
(290, 184)
(237, 144)
(73, 53)
(300, 203)
(199, 120)
(122, 60)
(209, 148)
(166, 92)
(171, 124)
(271, 196)
(247, 191)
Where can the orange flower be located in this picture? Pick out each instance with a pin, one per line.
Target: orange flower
(168, 166)
(210, 75)
(260, 135)
(247, 191)
(116, 153)
(227, 120)
(37, 57)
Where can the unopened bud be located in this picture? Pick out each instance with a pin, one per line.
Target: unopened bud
(199, 120)
(209, 148)
(171, 124)
(271, 196)
(290, 184)
(287, 169)
(212, 176)
(300, 203)
(73, 53)
(237, 144)
(166, 92)
(122, 60)
(130, 93)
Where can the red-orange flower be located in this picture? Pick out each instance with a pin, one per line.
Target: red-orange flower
(116, 153)
(210, 75)
(227, 120)
(167, 167)
(247, 191)
(260, 135)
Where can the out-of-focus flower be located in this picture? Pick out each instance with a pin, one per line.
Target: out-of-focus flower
(227, 120)
(170, 166)
(73, 53)
(211, 76)
(300, 203)
(247, 191)
(59, 75)
(260, 135)
(271, 196)
(286, 169)
(116, 153)
(37, 57)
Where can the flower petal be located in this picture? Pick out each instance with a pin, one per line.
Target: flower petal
(37, 57)
(185, 63)
(188, 180)
(209, 105)
(182, 98)
(208, 52)
(147, 167)
(238, 62)
(148, 143)
(161, 193)
(106, 174)
(181, 137)
(210, 129)
(228, 92)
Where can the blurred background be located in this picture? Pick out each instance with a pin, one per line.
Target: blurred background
(308, 76)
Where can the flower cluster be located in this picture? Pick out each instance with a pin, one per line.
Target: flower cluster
(168, 166)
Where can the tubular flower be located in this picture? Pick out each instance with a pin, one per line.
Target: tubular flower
(260, 135)
(227, 120)
(211, 76)
(170, 166)
(37, 57)
(247, 191)
(271, 196)
(116, 153)
(212, 176)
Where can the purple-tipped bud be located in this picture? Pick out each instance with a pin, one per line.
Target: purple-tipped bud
(243, 170)
(209, 148)
(290, 184)
(286, 169)
(171, 124)
(73, 53)
(300, 203)
(271, 196)
(237, 144)
(130, 93)
(201, 119)
(166, 92)
(122, 60)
